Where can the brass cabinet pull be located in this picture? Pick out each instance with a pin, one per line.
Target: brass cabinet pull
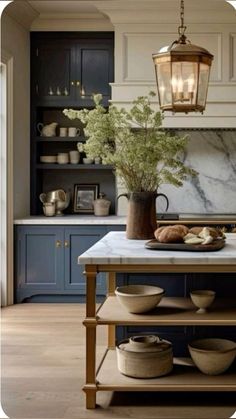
(78, 83)
(72, 83)
(58, 243)
(67, 243)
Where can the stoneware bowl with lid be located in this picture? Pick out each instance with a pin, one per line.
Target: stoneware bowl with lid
(139, 298)
(144, 357)
(212, 356)
(202, 299)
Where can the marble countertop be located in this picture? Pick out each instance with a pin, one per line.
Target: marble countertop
(114, 248)
(71, 220)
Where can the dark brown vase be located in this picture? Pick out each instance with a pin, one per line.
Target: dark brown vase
(141, 219)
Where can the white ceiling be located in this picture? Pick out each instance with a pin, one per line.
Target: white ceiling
(89, 6)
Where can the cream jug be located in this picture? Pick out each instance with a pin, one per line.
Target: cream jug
(47, 130)
(101, 205)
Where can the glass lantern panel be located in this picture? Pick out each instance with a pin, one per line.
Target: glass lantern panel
(203, 84)
(164, 85)
(184, 82)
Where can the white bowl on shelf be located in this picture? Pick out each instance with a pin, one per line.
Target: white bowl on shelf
(87, 160)
(212, 356)
(139, 298)
(48, 159)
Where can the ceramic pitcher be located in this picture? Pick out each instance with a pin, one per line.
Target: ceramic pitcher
(141, 220)
(47, 130)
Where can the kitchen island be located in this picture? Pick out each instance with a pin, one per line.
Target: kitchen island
(115, 254)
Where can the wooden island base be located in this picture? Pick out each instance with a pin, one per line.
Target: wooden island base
(184, 377)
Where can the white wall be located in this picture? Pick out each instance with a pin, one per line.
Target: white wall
(15, 40)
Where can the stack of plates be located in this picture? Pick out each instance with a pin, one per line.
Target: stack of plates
(48, 159)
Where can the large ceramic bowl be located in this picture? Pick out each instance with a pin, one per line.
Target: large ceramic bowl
(212, 356)
(202, 299)
(139, 298)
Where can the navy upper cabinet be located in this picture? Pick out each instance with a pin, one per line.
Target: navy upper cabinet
(69, 67)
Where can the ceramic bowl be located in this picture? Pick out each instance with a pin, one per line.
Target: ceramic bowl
(87, 160)
(202, 299)
(212, 356)
(48, 159)
(139, 298)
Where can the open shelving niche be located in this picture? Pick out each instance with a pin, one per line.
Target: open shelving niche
(46, 177)
(172, 311)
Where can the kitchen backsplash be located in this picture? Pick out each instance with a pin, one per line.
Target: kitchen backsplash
(213, 154)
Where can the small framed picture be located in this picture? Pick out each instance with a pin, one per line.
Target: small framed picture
(84, 195)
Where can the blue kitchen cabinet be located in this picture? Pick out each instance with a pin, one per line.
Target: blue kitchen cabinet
(77, 241)
(46, 265)
(39, 260)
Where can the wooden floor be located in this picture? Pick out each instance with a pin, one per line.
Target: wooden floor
(43, 364)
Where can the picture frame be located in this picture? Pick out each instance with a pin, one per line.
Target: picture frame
(84, 195)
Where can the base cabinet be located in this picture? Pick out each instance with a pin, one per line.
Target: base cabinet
(46, 262)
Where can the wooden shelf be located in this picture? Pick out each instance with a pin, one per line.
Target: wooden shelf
(170, 312)
(59, 139)
(56, 166)
(184, 377)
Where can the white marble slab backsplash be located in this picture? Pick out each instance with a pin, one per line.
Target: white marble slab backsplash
(213, 154)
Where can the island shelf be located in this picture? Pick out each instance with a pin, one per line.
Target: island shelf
(114, 254)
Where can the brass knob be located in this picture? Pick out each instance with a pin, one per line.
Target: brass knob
(78, 83)
(58, 243)
(72, 83)
(67, 243)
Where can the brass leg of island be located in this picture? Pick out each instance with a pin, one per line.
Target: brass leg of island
(111, 328)
(90, 387)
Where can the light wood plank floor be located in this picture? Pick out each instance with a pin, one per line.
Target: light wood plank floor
(43, 363)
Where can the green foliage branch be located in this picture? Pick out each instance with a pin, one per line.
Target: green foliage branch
(143, 158)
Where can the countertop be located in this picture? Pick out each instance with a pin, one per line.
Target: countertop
(71, 220)
(121, 220)
(114, 248)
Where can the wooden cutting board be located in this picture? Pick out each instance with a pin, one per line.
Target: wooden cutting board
(215, 245)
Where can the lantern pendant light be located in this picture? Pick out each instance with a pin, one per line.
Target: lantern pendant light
(182, 74)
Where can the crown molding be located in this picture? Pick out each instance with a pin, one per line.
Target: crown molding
(166, 11)
(22, 12)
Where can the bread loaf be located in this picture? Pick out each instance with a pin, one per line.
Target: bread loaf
(171, 234)
(213, 231)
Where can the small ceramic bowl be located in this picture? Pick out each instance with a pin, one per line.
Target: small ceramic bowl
(48, 159)
(139, 298)
(202, 299)
(87, 160)
(212, 356)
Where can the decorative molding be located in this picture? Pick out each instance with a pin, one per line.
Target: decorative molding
(7, 178)
(71, 24)
(22, 12)
(140, 44)
(232, 57)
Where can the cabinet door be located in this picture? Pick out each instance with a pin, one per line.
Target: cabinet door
(40, 259)
(53, 67)
(95, 69)
(77, 241)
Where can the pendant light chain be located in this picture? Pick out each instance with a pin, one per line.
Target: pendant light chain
(182, 28)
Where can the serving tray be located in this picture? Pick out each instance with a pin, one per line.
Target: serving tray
(215, 245)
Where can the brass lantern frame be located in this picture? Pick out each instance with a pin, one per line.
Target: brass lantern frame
(182, 50)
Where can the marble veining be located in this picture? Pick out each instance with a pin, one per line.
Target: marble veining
(114, 248)
(213, 154)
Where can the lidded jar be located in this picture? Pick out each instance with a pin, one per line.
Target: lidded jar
(144, 357)
(101, 205)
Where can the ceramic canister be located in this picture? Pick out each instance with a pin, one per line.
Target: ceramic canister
(144, 357)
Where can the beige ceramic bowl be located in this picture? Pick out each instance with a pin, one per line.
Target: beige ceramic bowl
(202, 299)
(48, 159)
(212, 356)
(87, 160)
(139, 298)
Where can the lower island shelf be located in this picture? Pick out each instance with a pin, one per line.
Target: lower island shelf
(184, 377)
(171, 311)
